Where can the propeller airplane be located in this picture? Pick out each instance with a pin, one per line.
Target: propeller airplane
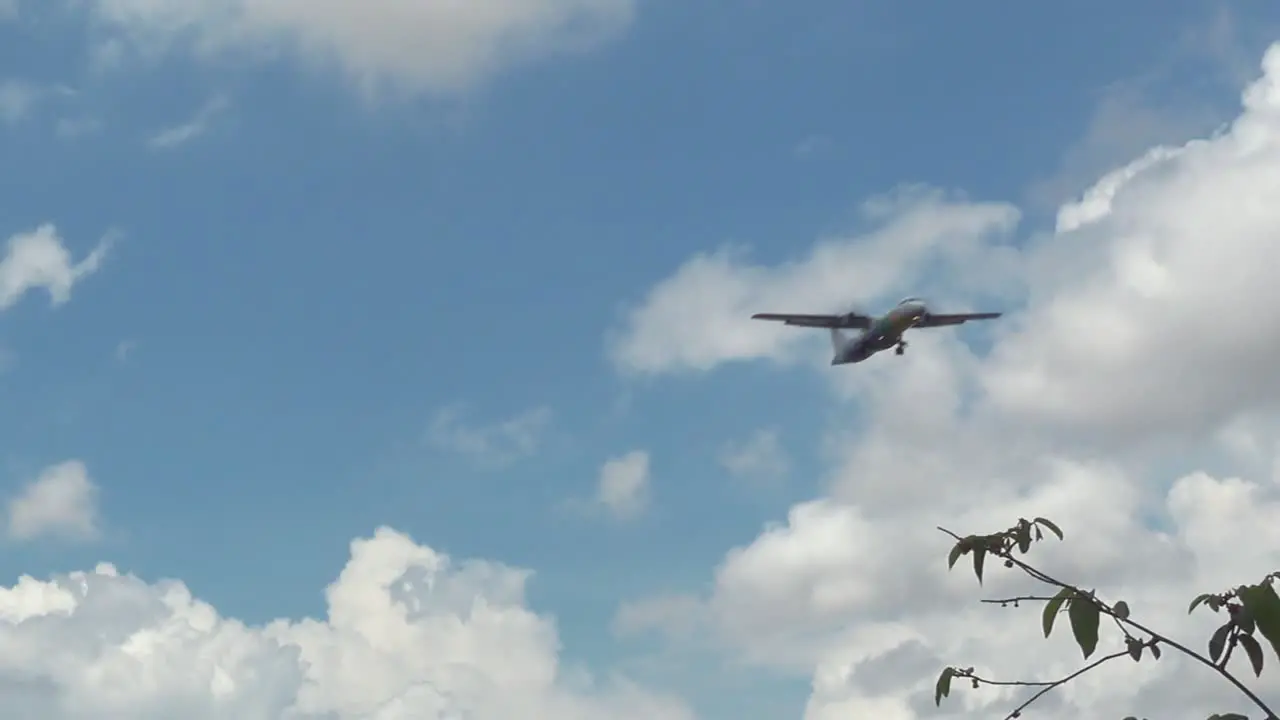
(877, 333)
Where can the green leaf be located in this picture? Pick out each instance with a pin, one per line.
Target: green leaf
(1254, 650)
(1024, 536)
(1263, 606)
(1218, 642)
(1121, 609)
(943, 688)
(1196, 603)
(1244, 621)
(1155, 651)
(1051, 609)
(1228, 716)
(1048, 525)
(1135, 648)
(1084, 617)
(979, 558)
(961, 547)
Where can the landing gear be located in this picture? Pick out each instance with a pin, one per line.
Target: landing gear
(901, 348)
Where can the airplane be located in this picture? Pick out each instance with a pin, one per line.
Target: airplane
(878, 333)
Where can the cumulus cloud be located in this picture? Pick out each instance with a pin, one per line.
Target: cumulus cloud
(432, 46)
(759, 457)
(1150, 320)
(853, 587)
(1175, 323)
(623, 488)
(61, 502)
(38, 259)
(408, 634)
(495, 445)
(677, 615)
(700, 317)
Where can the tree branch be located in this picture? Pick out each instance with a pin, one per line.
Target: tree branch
(1158, 637)
(1045, 687)
(1002, 602)
(1155, 636)
(1019, 598)
(956, 537)
(1003, 548)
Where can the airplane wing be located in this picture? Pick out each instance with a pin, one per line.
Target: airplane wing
(848, 320)
(936, 320)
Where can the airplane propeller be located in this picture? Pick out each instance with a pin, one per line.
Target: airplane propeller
(852, 308)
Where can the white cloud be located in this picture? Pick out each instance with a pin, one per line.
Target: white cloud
(61, 502)
(496, 445)
(1158, 106)
(408, 634)
(431, 46)
(1124, 124)
(759, 457)
(623, 487)
(1153, 303)
(700, 317)
(1176, 319)
(178, 135)
(678, 615)
(853, 587)
(17, 99)
(38, 259)
(1151, 321)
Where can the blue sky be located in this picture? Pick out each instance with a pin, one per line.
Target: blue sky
(304, 285)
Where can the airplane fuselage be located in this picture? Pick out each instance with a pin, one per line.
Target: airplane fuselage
(885, 332)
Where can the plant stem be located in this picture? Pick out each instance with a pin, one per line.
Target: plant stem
(1106, 658)
(1207, 663)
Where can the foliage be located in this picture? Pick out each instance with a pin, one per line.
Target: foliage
(1252, 618)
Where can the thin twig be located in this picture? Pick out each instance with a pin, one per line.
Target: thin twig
(1017, 712)
(1226, 656)
(1020, 598)
(1002, 602)
(953, 535)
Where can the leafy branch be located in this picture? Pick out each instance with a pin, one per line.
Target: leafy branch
(1252, 611)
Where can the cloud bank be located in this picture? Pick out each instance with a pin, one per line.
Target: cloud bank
(433, 47)
(1129, 396)
(409, 634)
